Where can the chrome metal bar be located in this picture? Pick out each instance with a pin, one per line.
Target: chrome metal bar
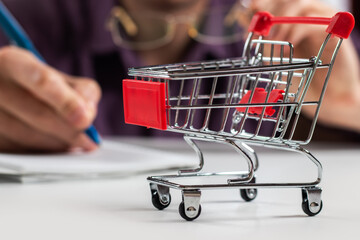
(256, 117)
(208, 111)
(272, 42)
(296, 98)
(250, 158)
(178, 103)
(226, 111)
(251, 152)
(244, 70)
(263, 110)
(312, 73)
(213, 135)
(246, 105)
(219, 96)
(285, 60)
(189, 140)
(181, 75)
(246, 50)
(257, 45)
(259, 49)
(167, 183)
(188, 112)
(168, 94)
(243, 120)
(271, 54)
(249, 162)
(238, 61)
(161, 179)
(324, 89)
(195, 102)
(282, 109)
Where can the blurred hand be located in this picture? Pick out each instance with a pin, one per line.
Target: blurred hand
(341, 103)
(42, 109)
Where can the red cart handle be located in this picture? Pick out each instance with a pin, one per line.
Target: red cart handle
(339, 25)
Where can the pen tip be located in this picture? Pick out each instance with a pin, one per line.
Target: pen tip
(93, 134)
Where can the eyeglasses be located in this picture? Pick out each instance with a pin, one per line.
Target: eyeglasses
(148, 30)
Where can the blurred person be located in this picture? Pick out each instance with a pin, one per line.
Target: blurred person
(340, 111)
(47, 107)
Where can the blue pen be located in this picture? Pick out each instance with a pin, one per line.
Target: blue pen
(18, 37)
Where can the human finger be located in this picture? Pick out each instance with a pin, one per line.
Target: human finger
(8, 146)
(46, 84)
(87, 88)
(24, 138)
(39, 116)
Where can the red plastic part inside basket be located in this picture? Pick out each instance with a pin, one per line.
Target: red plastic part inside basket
(260, 97)
(144, 103)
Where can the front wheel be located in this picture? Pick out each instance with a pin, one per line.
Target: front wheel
(191, 211)
(309, 210)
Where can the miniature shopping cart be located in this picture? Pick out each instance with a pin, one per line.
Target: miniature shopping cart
(255, 99)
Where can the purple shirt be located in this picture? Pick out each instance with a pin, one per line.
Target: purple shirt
(71, 36)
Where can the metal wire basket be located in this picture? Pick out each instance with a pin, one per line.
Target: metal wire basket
(254, 99)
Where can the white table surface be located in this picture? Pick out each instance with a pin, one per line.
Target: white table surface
(121, 208)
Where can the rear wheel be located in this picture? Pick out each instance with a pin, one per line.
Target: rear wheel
(160, 201)
(249, 194)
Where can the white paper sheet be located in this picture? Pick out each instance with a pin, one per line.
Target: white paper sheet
(113, 159)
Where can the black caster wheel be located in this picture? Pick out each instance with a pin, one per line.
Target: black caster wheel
(184, 216)
(249, 194)
(306, 208)
(159, 203)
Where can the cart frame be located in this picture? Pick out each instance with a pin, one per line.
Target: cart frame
(244, 75)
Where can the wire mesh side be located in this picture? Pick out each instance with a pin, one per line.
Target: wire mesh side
(205, 97)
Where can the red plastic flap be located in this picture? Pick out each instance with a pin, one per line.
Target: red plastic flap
(260, 97)
(144, 103)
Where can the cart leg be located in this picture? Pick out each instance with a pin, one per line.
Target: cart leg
(251, 152)
(190, 207)
(314, 160)
(311, 157)
(160, 196)
(311, 200)
(249, 194)
(245, 154)
(194, 146)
